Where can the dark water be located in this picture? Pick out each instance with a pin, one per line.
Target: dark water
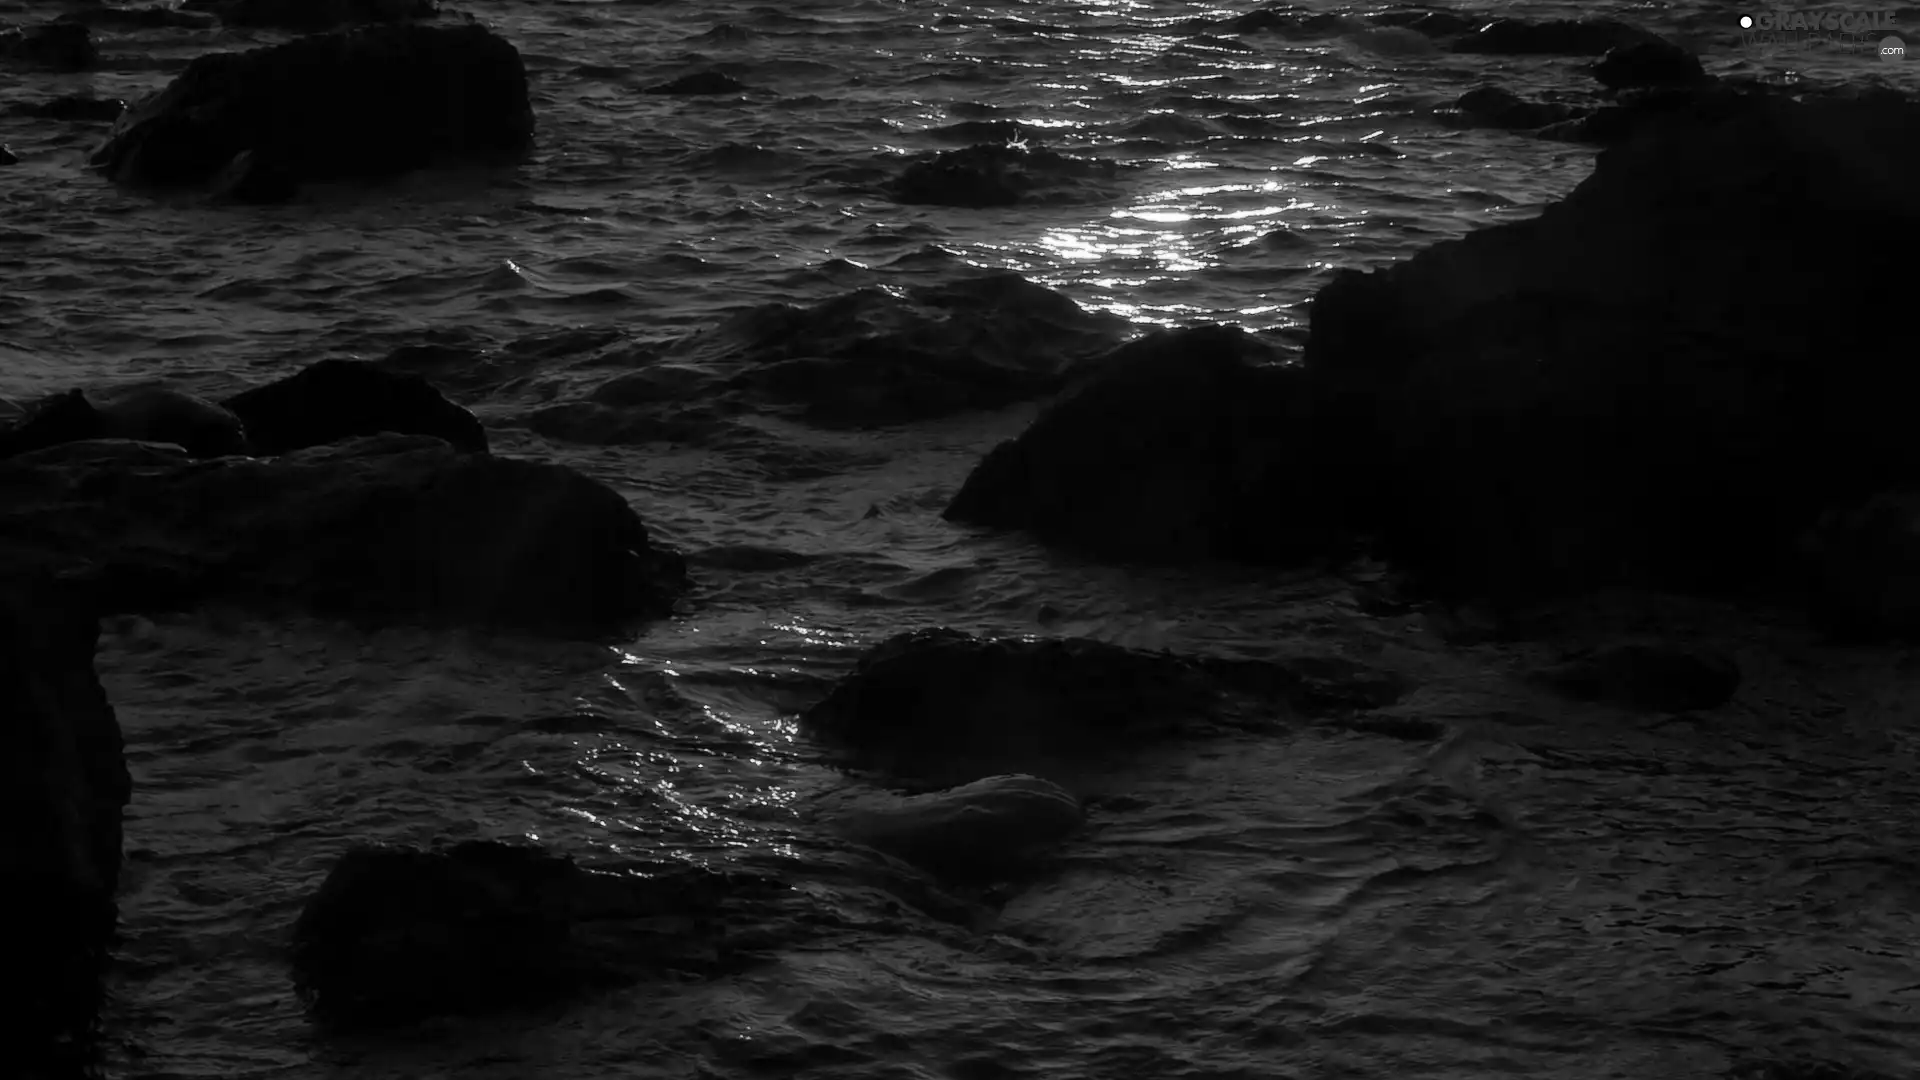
(1550, 891)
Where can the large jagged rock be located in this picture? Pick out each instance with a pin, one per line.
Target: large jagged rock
(945, 707)
(335, 400)
(867, 358)
(994, 829)
(1180, 445)
(395, 935)
(1642, 384)
(362, 104)
(388, 527)
(63, 787)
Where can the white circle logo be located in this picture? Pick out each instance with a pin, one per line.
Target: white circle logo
(1746, 22)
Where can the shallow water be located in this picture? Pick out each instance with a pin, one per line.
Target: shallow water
(1550, 892)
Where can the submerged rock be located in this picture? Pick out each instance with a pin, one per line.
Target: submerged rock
(54, 46)
(994, 829)
(63, 788)
(355, 105)
(1651, 676)
(144, 414)
(947, 707)
(869, 358)
(395, 935)
(1648, 63)
(1864, 563)
(1003, 174)
(1615, 391)
(1176, 446)
(700, 82)
(389, 527)
(308, 15)
(335, 400)
(1554, 37)
(73, 108)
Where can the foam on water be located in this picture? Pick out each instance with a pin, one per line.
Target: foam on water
(1552, 892)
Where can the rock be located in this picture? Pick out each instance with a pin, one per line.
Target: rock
(700, 82)
(395, 935)
(364, 104)
(1648, 63)
(1003, 175)
(868, 358)
(995, 829)
(148, 17)
(141, 413)
(1555, 37)
(334, 400)
(73, 108)
(1176, 446)
(1614, 392)
(7, 156)
(1650, 676)
(1495, 107)
(310, 15)
(383, 528)
(64, 789)
(54, 46)
(946, 707)
(1864, 563)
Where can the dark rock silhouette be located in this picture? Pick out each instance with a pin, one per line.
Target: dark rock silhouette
(145, 414)
(1003, 175)
(700, 82)
(1650, 676)
(1173, 447)
(54, 46)
(63, 788)
(1554, 37)
(1496, 107)
(395, 935)
(334, 400)
(868, 358)
(7, 156)
(145, 17)
(384, 528)
(363, 104)
(73, 108)
(944, 707)
(1648, 63)
(996, 829)
(1645, 410)
(1863, 563)
(309, 15)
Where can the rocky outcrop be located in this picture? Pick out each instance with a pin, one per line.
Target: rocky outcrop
(310, 15)
(54, 46)
(868, 358)
(944, 707)
(1614, 391)
(355, 105)
(1646, 675)
(1648, 63)
(1180, 445)
(995, 829)
(1004, 174)
(384, 528)
(335, 400)
(65, 786)
(395, 935)
(140, 413)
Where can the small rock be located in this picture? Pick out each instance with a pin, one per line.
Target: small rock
(1648, 63)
